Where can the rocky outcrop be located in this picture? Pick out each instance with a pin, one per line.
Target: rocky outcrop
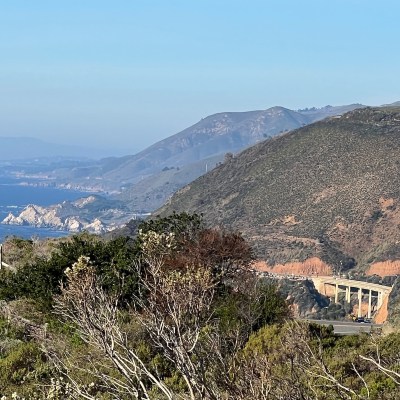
(87, 214)
(47, 218)
(35, 215)
(304, 300)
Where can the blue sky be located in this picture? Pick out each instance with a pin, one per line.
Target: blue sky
(121, 74)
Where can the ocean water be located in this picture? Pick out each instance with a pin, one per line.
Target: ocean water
(14, 197)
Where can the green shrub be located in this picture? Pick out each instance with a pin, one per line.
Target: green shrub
(24, 365)
(40, 279)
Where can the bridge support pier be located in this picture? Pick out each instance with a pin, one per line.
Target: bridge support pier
(380, 298)
(370, 303)
(348, 289)
(359, 302)
(336, 293)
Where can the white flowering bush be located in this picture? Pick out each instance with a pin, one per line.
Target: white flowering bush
(154, 243)
(78, 268)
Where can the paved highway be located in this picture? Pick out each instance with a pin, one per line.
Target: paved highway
(347, 327)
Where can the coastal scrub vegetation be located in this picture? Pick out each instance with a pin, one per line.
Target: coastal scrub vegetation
(175, 313)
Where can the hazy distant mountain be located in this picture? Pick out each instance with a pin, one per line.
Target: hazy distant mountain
(330, 189)
(18, 148)
(395, 104)
(316, 114)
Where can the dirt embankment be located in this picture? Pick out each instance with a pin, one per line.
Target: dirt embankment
(384, 268)
(382, 314)
(311, 266)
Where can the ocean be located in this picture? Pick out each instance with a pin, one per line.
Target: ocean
(14, 197)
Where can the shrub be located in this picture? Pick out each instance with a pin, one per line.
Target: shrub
(40, 279)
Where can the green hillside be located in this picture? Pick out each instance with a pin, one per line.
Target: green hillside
(329, 189)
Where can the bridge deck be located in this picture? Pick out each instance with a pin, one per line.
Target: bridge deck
(355, 284)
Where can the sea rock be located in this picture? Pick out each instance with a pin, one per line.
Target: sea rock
(69, 216)
(96, 226)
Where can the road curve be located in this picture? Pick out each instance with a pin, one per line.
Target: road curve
(347, 327)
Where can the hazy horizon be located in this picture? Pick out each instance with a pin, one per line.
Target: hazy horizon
(93, 151)
(121, 76)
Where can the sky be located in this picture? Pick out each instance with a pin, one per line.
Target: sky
(120, 75)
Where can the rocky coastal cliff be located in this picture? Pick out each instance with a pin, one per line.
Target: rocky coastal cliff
(86, 214)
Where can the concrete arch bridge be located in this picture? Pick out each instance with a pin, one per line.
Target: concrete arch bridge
(332, 286)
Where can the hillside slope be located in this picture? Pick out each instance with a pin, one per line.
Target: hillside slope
(151, 192)
(330, 189)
